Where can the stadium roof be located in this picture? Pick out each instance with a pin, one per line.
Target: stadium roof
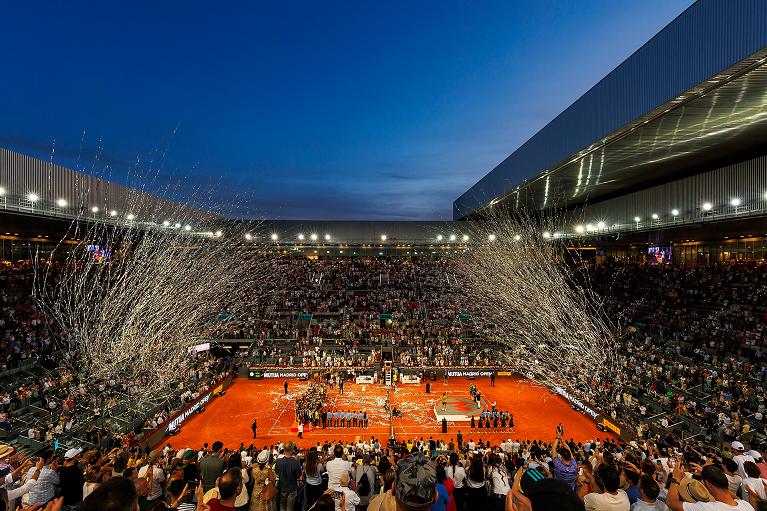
(691, 96)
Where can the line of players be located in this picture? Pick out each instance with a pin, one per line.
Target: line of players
(493, 419)
(342, 419)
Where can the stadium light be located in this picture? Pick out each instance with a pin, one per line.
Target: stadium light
(579, 229)
(589, 227)
(61, 203)
(166, 223)
(177, 225)
(219, 234)
(517, 237)
(452, 237)
(327, 237)
(465, 237)
(301, 237)
(274, 236)
(114, 213)
(637, 220)
(546, 234)
(735, 202)
(95, 209)
(601, 225)
(491, 237)
(313, 237)
(33, 197)
(130, 216)
(707, 206)
(248, 236)
(187, 227)
(655, 216)
(675, 212)
(2, 191)
(439, 237)
(383, 237)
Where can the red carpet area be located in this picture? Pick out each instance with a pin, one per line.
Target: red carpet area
(228, 418)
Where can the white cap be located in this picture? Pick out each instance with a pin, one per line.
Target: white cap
(738, 446)
(72, 453)
(754, 454)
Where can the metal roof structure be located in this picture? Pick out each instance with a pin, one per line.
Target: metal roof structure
(692, 98)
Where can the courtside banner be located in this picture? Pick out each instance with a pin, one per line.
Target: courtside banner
(285, 374)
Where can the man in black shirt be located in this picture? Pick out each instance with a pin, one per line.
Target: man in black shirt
(288, 471)
(71, 479)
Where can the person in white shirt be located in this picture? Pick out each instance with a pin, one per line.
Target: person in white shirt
(458, 474)
(754, 481)
(613, 498)
(16, 492)
(741, 457)
(337, 466)
(156, 479)
(350, 499)
(715, 481)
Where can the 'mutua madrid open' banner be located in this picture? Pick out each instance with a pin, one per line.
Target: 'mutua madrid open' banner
(461, 374)
(580, 405)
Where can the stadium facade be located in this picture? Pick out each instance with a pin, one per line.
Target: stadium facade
(668, 147)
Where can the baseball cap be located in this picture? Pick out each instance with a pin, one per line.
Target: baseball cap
(416, 482)
(738, 446)
(72, 453)
(754, 454)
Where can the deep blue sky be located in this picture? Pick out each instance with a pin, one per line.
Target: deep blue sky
(308, 110)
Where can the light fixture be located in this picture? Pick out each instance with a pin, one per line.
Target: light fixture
(517, 237)
(327, 237)
(452, 237)
(61, 203)
(33, 197)
(166, 223)
(301, 237)
(601, 225)
(187, 227)
(2, 191)
(589, 227)
(219, 234)
(675, 212)
(248, 236)
(439, 237)
(491, 237)
(95, 209)
(274, 236)
(177, 226)
(313, 237)
(655, 216)
(546, 234)
(114, 213)
(707, 206)
(130, 216)
(465, 237)
(735, 202)
(637, 219)
(579, 229)
(383, 237)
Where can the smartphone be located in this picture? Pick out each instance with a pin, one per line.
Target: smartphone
(337, 495)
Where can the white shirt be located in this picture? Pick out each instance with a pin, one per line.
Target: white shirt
(607, 501)
(641, 505)
(458, 477)
(741, 505)
(756, 485)
(740, 459)
(352, 499)
(158, 476)
(335, 468)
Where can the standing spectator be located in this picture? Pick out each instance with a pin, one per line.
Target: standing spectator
(476, 493)
(229, 486)
(443, 494)
(457, 474)
(235, 461)
(715, 482)
(154, 474)
(288, 471)
(613, 498)
(45, 489)
(365, 477)
(741, 457)
(349, 498)
(565, 467)
(337, 466)
(313, 470)
(649, 492)
(211, 467)
(72, 480)
(262, 475)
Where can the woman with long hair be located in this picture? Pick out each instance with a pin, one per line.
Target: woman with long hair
(313, 470)
(457, 474)
(476, 493)
(498, 478)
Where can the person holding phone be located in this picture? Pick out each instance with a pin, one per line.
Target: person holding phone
(346, 498)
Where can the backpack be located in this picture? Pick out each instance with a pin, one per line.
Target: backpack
(364, 486)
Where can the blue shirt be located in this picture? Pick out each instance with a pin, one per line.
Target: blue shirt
(443, 499)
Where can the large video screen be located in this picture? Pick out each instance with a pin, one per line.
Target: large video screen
(99, 254)
(660, 255)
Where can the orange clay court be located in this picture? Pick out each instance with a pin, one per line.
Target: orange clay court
(228, 418)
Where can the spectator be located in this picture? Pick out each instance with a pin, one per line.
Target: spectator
(288, 471)
(211, 467)
(229, 486)
(349, 498)
(613, 498)
(365, 476)
(263, 476)
(117, 494)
